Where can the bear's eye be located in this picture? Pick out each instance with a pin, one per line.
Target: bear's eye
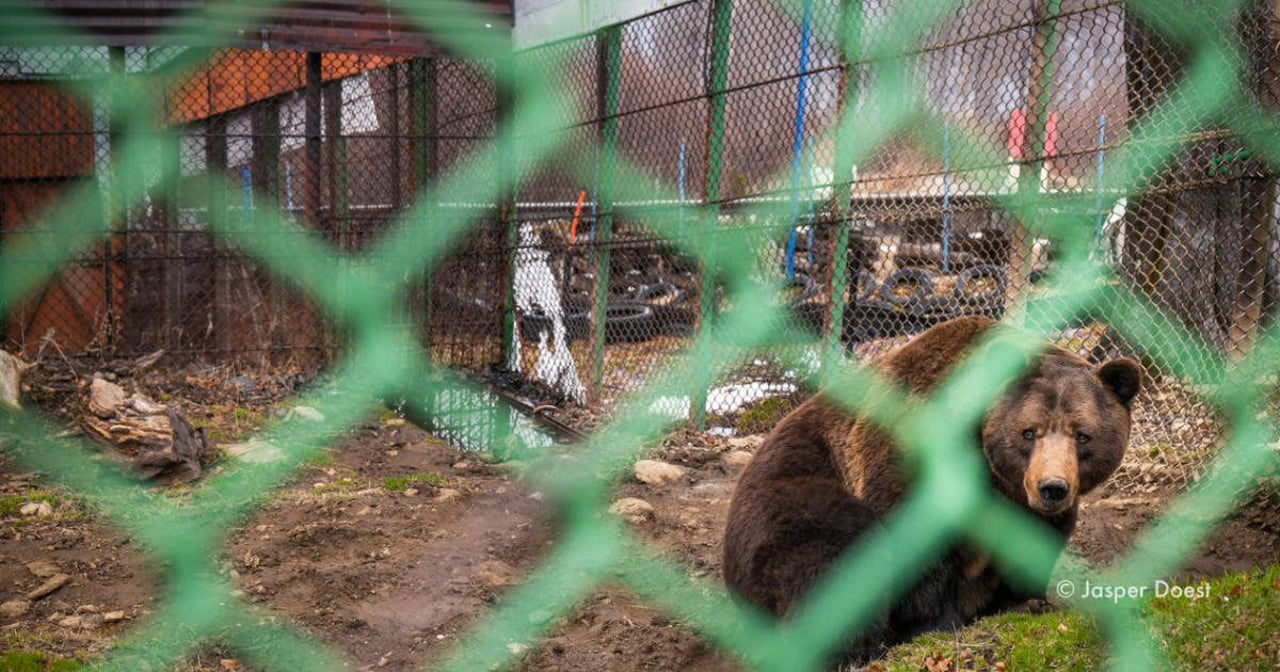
(1082, 438)
(1029, 434)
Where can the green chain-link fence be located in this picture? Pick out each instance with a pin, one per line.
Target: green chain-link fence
(736, 208)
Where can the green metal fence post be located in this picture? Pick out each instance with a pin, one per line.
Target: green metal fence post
(609, 81)
(509, 217)
(1039, 93)
(721, 26)
(422, 105)
(850, 44)
(174, 259)
(338, 182)
(118, 211)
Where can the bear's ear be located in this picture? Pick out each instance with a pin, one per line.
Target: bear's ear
(1122, 376)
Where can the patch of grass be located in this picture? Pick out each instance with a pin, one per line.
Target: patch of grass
(402, 483)
(1231, 623)
(320, 458)
(34, 661)
(1235, 626)
(762, 415)
(1015, 641)
(232, 424)
(42, 495)
(9, 505)
(340, 485)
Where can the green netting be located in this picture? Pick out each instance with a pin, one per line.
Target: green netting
(950, 500)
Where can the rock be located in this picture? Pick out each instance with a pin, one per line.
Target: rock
(146, 406)
(632, 510)
(70, 622)
(714, 488)
(91, 621)
(113, 616)
(410, 492)
(14, 609)
(495, 574)
(105, 398)
(746, 442)
(51, 584)
(737, 459)
(308, 413)
(37, 509)
(42, 568)
(241, 384)
(11, 370)
(255, 451)
(447, 495)
(540, 617)
(655, 472)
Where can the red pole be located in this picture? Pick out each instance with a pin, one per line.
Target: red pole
(577, 213)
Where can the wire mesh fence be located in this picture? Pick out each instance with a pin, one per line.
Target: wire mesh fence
(695, 216)
(338, 142)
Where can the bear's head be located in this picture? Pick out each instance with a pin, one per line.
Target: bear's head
(1061, 430)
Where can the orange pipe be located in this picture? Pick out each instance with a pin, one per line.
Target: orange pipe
(577, 214)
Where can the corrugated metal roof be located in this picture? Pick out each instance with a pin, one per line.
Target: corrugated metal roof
(354, 26)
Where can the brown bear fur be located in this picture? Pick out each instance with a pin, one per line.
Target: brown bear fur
(824, 477)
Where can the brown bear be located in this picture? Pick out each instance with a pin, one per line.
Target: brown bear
(824, 477)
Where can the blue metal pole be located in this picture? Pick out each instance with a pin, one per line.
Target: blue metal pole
(288, 190)
(946, 198)
(797, 149)
(246, 184)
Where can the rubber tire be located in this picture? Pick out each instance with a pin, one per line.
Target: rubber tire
(650, 294)
(629, 322)
(968, 275)
(920, 275)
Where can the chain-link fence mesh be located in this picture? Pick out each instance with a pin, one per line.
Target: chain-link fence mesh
(693, 216)
(342, 158)
(1055, 88)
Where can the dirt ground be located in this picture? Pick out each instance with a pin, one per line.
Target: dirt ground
(390, 547)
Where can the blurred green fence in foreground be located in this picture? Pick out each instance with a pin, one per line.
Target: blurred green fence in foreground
(361, 294)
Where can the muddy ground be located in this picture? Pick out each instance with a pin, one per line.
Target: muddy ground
(392, 545)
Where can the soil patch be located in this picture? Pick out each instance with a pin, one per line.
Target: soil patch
(391, 547)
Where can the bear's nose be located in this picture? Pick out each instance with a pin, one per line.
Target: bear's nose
(1054, 490)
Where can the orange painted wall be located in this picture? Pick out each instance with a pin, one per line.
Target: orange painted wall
(45, 132)
(234, 78)
(73, 305)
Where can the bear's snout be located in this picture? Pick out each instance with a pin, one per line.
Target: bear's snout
(1053, 491)
(1052, 475)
